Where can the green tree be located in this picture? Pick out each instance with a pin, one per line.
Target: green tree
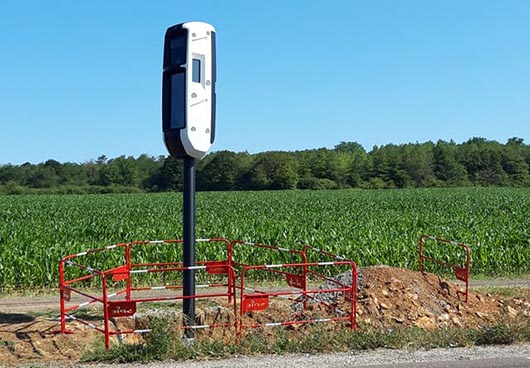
(483, 162)
(75, 175)
(330, 168)
(514, 163)
(10, 173)
(447, 169)
(145, 167)
(44, 175)
(387, 166)
(359, 161)
(167, 178)
(119, 171)
(222, 171)
(417, 162)
(272, 171)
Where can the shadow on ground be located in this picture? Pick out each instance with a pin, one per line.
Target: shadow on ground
(15, 318)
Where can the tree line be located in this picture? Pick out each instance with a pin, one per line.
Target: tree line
(476, 162)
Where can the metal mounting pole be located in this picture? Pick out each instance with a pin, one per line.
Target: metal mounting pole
(188, 305)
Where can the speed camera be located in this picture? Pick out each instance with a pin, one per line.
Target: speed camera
(188, 89)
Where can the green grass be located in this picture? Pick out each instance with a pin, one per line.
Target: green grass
(165, 340)
(504, 292)
(371, 226)
(165, 343)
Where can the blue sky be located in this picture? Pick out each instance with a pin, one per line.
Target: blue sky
(79, 79)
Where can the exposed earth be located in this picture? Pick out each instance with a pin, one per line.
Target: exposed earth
(388, 298)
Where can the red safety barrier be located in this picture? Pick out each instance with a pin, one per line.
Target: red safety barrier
(122, 302)
(307, 249)
(255, 300)
(293, 279)
(119, 296)
(461, 272)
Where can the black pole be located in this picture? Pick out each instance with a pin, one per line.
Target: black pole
(188, 305)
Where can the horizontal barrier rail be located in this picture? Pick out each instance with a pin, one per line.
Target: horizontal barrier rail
(119, 294)
(123, 302)
(258, 300)
(461, 272)
(309, 250)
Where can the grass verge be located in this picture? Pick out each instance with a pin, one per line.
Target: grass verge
(165, 341)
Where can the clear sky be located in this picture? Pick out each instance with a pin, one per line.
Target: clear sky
(79, 79)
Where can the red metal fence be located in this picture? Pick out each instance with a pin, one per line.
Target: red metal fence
(118, 294)
(257, 299)
(461, 271)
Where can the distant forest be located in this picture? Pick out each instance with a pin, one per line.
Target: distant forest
(476, 162)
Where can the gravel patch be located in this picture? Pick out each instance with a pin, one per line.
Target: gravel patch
(331, 298)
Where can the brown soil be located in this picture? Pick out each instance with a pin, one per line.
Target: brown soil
(25, 339)
(397, 297)
(388, 298)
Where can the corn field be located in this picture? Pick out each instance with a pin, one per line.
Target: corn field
(369, 226)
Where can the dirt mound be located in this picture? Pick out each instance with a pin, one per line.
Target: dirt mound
(389, 297)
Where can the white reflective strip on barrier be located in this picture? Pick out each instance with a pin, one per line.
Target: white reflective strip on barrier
(340, 258)
(83, 304)
(90, 325)
(156, 242)
(202, 286)
(326, 263)
(90, 269)
(199, 327)
(274, 265)
(340, 311)
(74, 318)
(111, 246)
(195, 268)
(202, 240)
(81, 254)
(277, 324)
(249, 243)
(112, 295)
(432, 237)
(158, 287)
(142, 331)
(138, 271)
(454, 243)
(315, 249)
(283, 249)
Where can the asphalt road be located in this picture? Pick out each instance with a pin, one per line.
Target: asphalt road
(479, 363)
(512, 356)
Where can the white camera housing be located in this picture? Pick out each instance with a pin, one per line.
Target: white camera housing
(188, 89)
